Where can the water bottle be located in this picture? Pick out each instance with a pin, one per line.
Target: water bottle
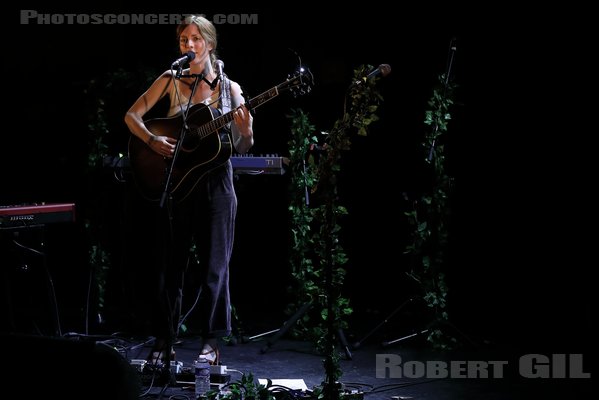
(202, 375)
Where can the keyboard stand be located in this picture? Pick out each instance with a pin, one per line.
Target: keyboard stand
(12, 238)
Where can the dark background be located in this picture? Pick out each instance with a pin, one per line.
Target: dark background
(519, 148)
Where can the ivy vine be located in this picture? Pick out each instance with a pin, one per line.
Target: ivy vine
(246, 388)
(318, 257)
(430, 215)
(303, 178)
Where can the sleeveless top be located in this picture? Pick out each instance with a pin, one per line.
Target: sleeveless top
(175, 106)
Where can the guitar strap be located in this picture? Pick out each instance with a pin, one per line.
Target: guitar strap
(225, 106)
(225, 95)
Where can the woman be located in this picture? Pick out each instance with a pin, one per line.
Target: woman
(206, 217)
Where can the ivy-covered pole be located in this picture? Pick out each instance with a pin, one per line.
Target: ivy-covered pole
(430, 214)
(363, 102)
(303, 178)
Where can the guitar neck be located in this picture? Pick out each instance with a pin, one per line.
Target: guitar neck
(224, 119)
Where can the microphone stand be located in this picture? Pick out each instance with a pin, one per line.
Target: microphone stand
(452, 50)
(170, 377)
(166, 195)
(184, 129)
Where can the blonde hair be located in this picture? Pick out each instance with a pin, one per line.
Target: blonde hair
(207, 30)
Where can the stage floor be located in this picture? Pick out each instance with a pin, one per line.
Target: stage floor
(84, 367)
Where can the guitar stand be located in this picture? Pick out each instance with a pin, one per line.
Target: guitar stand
(289, 323)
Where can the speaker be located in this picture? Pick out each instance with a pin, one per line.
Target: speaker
(47, 367)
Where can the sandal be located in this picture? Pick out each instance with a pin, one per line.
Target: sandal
(210, 354)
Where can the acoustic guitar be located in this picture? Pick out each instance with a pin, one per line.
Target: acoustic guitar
(204, 147)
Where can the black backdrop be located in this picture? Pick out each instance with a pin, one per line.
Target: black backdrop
(518, 147)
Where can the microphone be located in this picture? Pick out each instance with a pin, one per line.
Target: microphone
(189, 56)
(383, 69)
(219, 64)
(219, 67)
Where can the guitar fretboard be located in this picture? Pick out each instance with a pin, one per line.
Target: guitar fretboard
(224, 119)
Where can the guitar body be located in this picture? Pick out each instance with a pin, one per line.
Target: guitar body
(198, 155)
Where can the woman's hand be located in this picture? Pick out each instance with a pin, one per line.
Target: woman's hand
(163, 145)
(243, 120)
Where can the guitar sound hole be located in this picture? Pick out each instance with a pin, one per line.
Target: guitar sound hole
(191, 141)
